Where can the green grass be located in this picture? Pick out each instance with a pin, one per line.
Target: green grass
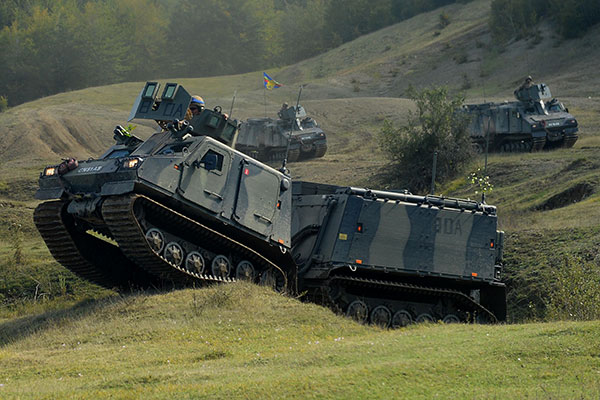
(243, 341)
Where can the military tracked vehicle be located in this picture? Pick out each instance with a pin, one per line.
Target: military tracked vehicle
(531, 123)
(266, 139)
(183, 207)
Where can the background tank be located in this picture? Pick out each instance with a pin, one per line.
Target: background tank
(266, 139)
(531, 123)
(184, 207)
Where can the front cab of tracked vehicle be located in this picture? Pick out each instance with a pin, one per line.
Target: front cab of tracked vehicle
(189, 166)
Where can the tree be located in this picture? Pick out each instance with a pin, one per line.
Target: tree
(436, 126)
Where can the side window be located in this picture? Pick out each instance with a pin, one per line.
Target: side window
(212, 161)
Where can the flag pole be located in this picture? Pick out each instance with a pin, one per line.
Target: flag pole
(265, 95)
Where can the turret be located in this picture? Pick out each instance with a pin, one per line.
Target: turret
(533, 93)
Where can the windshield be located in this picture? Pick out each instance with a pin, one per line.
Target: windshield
(173, 148)
(118, 153)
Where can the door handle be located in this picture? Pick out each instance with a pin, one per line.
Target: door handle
(262, 217)
(217, 195)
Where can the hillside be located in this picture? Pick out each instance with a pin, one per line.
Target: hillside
(366, 75)
(243, 341)
(547, 204)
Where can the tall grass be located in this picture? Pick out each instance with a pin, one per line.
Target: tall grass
(575, 290)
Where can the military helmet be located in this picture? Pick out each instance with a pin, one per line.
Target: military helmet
(199, 101)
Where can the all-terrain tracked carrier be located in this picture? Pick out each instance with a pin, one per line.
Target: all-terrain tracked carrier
(531, 123)
(184, 207)
(293, 133)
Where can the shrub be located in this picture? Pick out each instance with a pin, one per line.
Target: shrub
(444, 20)
(434, 127)
(16, 239)
(3, 103)
(575, 291)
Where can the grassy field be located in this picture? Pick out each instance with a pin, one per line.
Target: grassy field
(243, 341)
(61, 337)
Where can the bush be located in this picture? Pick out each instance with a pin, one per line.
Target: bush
(444, 20)
(3, 103)
(436, 126)
(575, 292)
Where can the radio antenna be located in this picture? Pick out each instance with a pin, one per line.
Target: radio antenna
(289, 139)
(232, 101)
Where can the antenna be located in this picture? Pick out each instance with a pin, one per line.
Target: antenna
(487, 148)
(433, 170)
(232, 101)
(483, 88)
(287, 150)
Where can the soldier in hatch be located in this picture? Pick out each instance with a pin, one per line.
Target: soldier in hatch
(283, 109)
(527, 84)
(195, 108)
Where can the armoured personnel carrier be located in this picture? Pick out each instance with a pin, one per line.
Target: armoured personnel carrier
(266, 139)
(184, 207)
(531, 123)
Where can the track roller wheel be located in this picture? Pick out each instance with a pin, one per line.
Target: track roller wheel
(425, 318)
(273, 279)
(155, 239)
(245, 271)
(477, 148)
(451, 319)
(194, 262)
(221, 266)
(174, 254)
(381, 316)
(358, 311)
(401, 319)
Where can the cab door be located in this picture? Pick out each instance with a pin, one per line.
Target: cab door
(204, 176)
(515, 122)
(258, 198)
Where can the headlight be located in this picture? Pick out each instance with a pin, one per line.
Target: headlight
(131, 163)
(49, 171)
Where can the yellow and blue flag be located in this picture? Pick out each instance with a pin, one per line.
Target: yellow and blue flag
(269, 82)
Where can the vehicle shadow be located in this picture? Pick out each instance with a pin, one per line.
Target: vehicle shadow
(20, 328)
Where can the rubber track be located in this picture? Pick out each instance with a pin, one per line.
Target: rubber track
(320, 150)
(59, 240)
(415, 289)
(570, 141)
(538, 144)
(118, 214)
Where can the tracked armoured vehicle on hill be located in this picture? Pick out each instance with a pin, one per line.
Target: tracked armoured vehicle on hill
(183, 207)
(266, 139)
(531, 123)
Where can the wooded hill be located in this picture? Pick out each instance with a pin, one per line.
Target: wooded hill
(49, 47)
